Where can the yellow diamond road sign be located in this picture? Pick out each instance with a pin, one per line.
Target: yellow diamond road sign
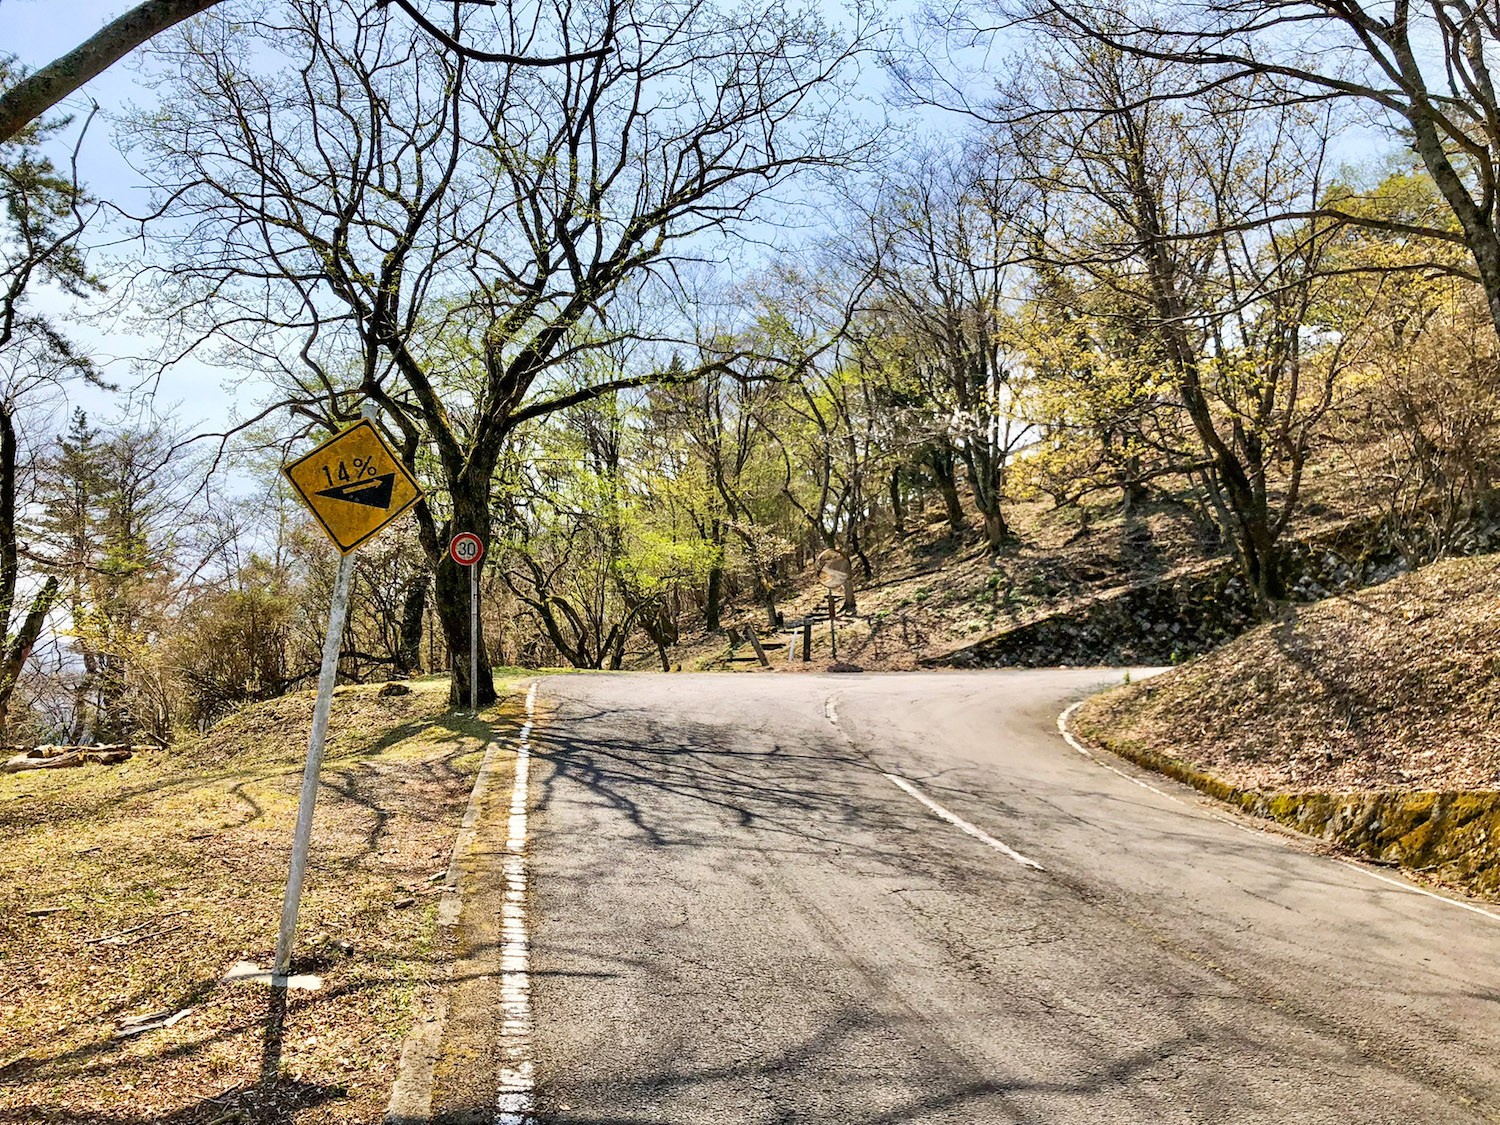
(354, 484)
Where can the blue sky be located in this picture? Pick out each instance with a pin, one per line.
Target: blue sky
(33, 31)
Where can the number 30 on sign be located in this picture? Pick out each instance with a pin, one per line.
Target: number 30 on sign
(466, 548)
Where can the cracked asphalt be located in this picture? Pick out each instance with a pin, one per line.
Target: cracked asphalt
(736, 916)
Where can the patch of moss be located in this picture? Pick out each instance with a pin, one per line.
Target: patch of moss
(1452, 836)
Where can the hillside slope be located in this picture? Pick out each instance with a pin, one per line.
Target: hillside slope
(1393, 687)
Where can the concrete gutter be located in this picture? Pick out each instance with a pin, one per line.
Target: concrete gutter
(411, 1095)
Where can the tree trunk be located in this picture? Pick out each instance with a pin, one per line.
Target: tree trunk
(768, 599)
(34, 95)
(996, 530)
(714, 598)
(451, 590)
(944, 473)
(413, 610)
(17, 648)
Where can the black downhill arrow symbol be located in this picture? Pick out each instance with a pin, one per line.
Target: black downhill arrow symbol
(373, 493)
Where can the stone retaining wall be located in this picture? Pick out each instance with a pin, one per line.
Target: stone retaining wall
(1451, 836)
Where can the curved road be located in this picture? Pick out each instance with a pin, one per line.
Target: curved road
(905, 898)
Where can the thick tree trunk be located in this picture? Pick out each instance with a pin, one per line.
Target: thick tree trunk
(451, 592)
(34, 95)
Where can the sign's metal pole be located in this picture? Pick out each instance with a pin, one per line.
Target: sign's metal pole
(326, 676)
(833, 640)
(474, 637)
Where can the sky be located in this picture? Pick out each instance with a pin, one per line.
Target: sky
(196, 393)
(31, 30)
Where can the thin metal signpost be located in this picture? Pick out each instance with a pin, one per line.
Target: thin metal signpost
(321, 711)
(474, 638)
(466, 549)
(367, 487)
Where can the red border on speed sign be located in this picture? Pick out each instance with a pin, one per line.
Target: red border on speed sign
(466, 549)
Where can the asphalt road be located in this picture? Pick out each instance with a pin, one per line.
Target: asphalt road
(737, 914)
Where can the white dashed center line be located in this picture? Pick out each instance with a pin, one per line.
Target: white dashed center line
(831, 712)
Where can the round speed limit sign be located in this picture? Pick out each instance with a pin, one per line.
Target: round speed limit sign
(466, 548)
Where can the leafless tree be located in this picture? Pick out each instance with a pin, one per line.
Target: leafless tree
(1425, 70)
(944, 248)
(469, 232)
(32, 95)
(1164, 197)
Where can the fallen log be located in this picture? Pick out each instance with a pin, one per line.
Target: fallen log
(26, 762)
(108, 757)
(67, 759)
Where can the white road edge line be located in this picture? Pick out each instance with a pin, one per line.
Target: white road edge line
(959, 822)
(516, 1099)
(411, 1093)
(1353, 865)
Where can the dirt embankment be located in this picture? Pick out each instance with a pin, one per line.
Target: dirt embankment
(1393, 687)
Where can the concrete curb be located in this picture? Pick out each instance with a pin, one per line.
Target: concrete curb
(1453, 836)
(411, 1094)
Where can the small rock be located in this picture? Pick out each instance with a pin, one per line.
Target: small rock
(394, 688)
(402, 903)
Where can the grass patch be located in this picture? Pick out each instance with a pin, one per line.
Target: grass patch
(179, 860)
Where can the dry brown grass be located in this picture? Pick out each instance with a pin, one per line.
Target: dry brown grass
(1394, 687)
(187, 849)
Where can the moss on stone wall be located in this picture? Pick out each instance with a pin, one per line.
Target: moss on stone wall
(1451, 836)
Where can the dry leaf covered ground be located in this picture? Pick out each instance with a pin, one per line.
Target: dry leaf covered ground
(170, 868)
(1392, 687)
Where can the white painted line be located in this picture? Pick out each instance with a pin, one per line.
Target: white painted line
(830, 709)
(1353, 865)
(1062, 726)
(959, 822)
(1405, 886)
(516, 1099)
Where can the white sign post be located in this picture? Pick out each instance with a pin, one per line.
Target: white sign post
(467, 549)
(332, 643)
